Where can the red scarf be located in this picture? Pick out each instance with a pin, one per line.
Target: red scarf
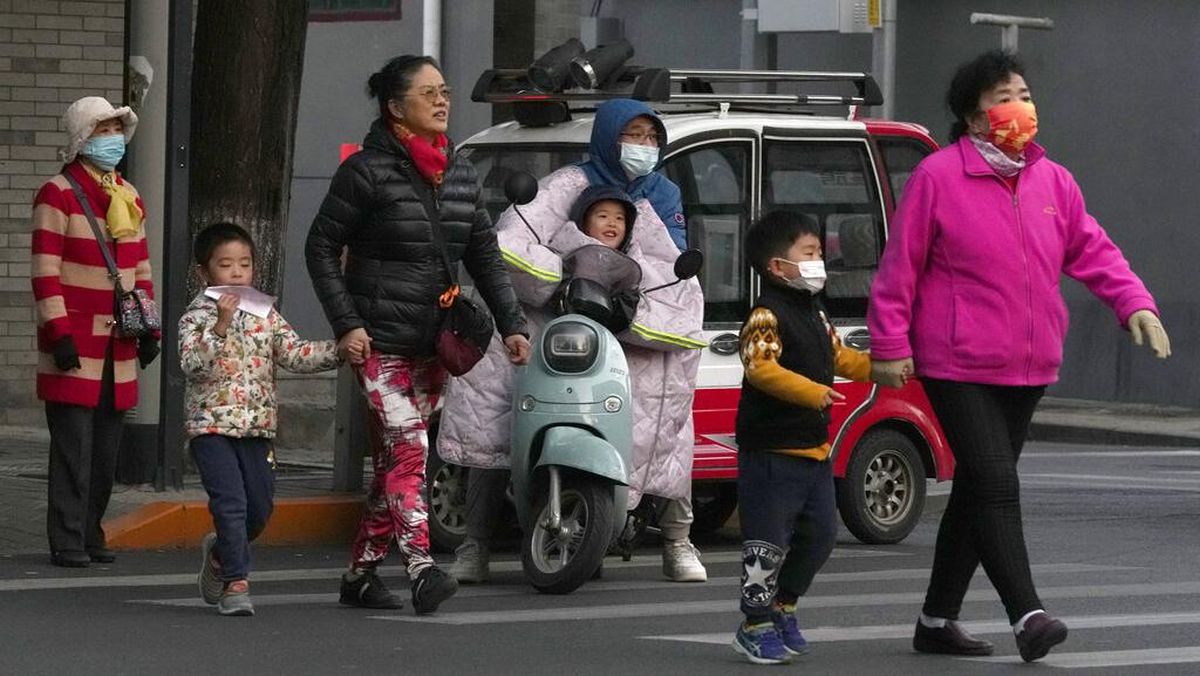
(430, 158)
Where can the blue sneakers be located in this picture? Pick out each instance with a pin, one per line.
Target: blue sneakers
(789, 630)
(760, 643)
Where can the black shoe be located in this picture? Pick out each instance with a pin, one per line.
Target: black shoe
(951, 639)
(368, 591)
(70, 558)
(430, 588)
(1041, 633)
(102, 555)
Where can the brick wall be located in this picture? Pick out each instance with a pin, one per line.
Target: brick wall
(51, 53)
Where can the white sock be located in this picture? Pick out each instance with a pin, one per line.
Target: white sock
(1020, 625)
(932, 622)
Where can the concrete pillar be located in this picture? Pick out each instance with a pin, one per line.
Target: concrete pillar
(147, 38)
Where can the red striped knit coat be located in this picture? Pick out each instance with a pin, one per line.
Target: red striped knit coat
(74, 294)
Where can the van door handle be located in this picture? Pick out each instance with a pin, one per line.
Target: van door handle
(726, 343)
(859, 339)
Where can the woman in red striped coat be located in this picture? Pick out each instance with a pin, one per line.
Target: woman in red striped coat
(87, 375)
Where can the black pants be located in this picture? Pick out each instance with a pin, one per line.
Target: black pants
(83, 462)
(789, 525)
(237, 476)
(986, 426)
(485, 499)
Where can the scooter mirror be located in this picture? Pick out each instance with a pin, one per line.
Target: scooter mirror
(521, 188)
(688, 264)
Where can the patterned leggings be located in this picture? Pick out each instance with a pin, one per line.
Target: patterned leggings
(401, 394)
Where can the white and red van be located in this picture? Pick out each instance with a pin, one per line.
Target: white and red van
(734, 160)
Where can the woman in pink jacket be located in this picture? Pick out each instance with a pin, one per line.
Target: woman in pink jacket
(967, 297)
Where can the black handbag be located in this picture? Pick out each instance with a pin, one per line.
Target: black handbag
(134, 312)
(466, 329)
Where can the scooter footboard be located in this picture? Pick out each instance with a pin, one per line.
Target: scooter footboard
(582, 450)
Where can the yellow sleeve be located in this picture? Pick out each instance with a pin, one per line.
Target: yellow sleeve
(761, 349)
(849, 363)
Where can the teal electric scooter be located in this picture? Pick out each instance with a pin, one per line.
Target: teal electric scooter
(572, 435)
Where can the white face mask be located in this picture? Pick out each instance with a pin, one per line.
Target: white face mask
(812, 275)
(638, 160)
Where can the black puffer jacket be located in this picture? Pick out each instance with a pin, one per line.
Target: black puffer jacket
(394, 273)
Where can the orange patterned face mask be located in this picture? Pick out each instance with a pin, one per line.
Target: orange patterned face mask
(1012, 125)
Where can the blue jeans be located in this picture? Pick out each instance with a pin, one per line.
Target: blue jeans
(241, 488)
(789, 524)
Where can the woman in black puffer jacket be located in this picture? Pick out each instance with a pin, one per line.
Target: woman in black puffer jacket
(384, 304)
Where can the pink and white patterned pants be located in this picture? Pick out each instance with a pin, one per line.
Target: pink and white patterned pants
(401, 394)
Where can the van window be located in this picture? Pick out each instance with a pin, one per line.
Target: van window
(900, 156)
(713, 180)
(833, 183)
(496, 163)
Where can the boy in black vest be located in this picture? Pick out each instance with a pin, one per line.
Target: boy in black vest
(785, 477)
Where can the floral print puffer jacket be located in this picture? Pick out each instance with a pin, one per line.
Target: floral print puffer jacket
(231, 380)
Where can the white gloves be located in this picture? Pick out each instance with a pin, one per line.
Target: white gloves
(1146, 323)
(892, 373)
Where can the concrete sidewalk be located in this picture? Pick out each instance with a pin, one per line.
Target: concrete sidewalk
(306, 507)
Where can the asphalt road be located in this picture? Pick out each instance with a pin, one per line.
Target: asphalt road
(1113, 533)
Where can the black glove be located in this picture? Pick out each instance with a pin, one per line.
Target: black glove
(147, 350)
(624, 304)
(66, 357)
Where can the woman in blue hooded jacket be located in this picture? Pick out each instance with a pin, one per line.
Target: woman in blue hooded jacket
(624, 155)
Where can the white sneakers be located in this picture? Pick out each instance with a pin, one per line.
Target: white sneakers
(681, 562)
(471, 562)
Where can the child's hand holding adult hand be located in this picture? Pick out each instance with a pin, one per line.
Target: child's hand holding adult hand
(227, 305)
(355, 345)
(894, 373)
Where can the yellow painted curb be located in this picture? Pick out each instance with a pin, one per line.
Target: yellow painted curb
(295, 521)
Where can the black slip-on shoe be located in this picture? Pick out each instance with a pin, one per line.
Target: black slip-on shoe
(431, 588)
(70, 558)
(1041, 633)
(951, 639)
(102, 555)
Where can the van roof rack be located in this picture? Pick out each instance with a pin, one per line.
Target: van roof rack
(695, 86)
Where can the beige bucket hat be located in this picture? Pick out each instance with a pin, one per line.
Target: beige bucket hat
(82, 117)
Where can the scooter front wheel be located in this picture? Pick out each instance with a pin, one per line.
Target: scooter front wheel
(559, 561)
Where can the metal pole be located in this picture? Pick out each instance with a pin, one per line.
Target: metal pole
(177, 243)
(1009, 25)
(884, 58)
(431, 28)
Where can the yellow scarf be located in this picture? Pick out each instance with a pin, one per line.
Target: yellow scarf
(124, 216)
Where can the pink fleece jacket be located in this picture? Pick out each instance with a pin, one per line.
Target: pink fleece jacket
(969, 281)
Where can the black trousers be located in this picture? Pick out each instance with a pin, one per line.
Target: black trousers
(83, 462)
(485, 499)
(986, 426)
(788, 513)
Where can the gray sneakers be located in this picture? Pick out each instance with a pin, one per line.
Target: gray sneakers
(209, 579)
(235, 600)
(471, 562)
(681, 561)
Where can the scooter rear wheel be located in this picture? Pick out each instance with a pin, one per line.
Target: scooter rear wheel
(558, 563)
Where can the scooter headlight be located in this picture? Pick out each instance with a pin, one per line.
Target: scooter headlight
(570, 347)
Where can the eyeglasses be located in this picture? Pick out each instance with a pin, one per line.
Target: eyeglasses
(641, 137)
(432, 93)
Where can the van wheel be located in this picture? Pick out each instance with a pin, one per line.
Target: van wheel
(446, 499)
(883, 493)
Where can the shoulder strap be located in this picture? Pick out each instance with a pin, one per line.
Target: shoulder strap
(425, 194)
(91, 217)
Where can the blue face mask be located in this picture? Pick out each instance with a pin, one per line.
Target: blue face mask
(638, 160)
(105, 151)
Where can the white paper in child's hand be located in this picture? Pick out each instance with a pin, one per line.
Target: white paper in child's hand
(252, 300)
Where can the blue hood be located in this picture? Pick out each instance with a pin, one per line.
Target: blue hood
(603, 166)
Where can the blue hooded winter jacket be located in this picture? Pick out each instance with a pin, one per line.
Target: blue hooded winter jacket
(604, 164)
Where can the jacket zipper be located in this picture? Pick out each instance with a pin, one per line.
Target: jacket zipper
(1028, 289)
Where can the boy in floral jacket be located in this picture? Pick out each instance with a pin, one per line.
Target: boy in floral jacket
(228, 350)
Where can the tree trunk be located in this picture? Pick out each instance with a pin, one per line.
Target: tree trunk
(248, 58)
